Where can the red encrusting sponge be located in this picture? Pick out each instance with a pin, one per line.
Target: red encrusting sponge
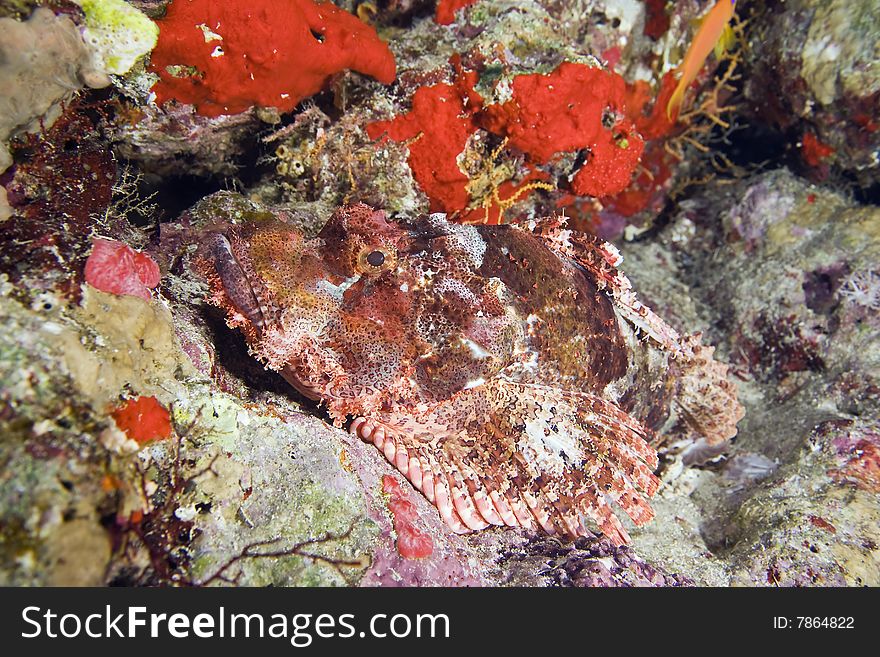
(143, 419)
(412, 542)
(224, 56)
(572, 108)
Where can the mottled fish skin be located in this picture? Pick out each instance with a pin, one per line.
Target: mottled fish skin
(510, 374)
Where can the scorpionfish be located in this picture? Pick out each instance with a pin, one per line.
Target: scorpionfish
(508, 372)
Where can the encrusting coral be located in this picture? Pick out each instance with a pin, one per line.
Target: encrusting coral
(118, 34)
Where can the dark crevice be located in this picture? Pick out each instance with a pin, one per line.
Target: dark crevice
(175, 194)
(758, 145)
(234, 360)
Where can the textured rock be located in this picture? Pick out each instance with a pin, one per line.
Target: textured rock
(815, 73)
(41, 61)
(176, 141)
(786, 292)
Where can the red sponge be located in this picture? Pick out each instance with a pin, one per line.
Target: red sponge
(575, 107)
(224, 56)
(143, 419)
(445, 12)
(438, 127)
(412, 542)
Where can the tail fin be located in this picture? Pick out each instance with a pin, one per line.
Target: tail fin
(706, 398)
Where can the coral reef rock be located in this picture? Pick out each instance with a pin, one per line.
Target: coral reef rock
(815, 73)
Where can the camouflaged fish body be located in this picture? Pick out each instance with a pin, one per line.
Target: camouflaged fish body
(509, 373)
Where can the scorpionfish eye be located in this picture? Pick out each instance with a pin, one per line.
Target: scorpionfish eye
(375, 259)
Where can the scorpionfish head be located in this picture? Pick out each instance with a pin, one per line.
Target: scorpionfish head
(372, 312)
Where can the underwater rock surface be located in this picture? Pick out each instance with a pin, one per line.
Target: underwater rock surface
(814, 72)
(777, 265)
(784, 288)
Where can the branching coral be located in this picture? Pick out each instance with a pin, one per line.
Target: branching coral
(260, 550)
(699, 121)
(491, 184)
(155, 527)
(153, 541)
(224, 56)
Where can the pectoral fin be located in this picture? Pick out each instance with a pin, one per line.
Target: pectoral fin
(524, 455)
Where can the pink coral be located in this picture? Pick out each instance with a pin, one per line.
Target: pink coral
(412, 543)
(117, 268)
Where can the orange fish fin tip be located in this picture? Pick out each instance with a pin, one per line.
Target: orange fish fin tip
(675, 101)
